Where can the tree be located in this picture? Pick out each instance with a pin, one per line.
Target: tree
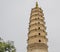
(7, 46)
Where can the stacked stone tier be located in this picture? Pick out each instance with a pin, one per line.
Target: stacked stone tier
(36, 16)
(37, 32)
(37, 46)
(36, 39)
(37, 26)
(35, 19)
(36, 10)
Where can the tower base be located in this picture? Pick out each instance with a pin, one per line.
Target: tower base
(37, 47)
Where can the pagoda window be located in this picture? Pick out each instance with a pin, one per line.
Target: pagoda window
(38, 17)
(38, 27)
(39, 33)
(41, 15)
(39, 40)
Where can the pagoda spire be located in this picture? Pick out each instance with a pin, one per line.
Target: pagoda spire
(36, 4)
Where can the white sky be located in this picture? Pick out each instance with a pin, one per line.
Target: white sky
(14, 21)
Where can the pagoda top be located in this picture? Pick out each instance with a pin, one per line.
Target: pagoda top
(36, 4)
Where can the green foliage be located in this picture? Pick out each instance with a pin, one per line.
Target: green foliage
(6, 47)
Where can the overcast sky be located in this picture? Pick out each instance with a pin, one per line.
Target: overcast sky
(14, 21)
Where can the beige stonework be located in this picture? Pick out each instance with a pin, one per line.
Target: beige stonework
(37, 41)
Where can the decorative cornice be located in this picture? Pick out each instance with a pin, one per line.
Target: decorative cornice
(37, 19)
(38, 13)
(37, 31)
(35, 36)
(36, 25)
(34, 9)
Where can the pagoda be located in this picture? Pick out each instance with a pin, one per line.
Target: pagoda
(37, 40)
